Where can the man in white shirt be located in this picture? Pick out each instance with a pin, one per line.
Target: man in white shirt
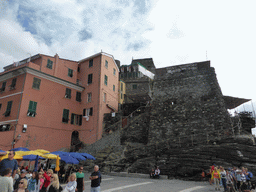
(157, 173)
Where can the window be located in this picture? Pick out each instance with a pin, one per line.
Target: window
(114, 87)
(88, 112)
(65, 116)
(8, 109)
(114, 71)
(32, 109)
(106, 63)
(134, 86)
(3, 86)
(36, 83)
(5, 127)
(70, 72)
(122, 87)
(76, 119)
(121, 95)
(0, 106)
(89, 78)
(12, 86)
(68, 93)
(78, 96)
(78, 69)
(89, 97)
(104, 97)
(49, 64)
(106, 80)
(77, 81)
(91, 63)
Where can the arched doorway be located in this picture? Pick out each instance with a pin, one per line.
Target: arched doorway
(76, 144)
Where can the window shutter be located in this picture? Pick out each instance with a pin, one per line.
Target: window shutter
(9, 106)
(91, 111)
(34, 106)
(72, 118)
(65, 115)
(84, 112)
(80, 119)
(14, 82)
(30, 107)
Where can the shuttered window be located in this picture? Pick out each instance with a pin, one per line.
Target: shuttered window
(65, 115)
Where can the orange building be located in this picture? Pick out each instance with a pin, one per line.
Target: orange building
(48, 102)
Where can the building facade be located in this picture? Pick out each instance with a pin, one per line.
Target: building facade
(50, 103)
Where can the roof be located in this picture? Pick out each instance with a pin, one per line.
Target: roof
(148, 63)
(233, 102)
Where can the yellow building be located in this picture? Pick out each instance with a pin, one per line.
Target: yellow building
(121, 92)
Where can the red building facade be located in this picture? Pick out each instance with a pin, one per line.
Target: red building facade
(50, 103)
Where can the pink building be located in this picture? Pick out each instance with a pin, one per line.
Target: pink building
(48, 102)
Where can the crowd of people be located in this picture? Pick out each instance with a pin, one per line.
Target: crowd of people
(19, 179)
(232, 179)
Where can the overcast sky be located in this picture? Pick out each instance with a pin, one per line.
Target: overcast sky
(172, 32)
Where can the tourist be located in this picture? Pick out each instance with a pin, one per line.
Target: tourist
(9, 163)
(34, 183)
(203, 175)
(41, 179)
(29, 174)
(157, 173)
(95, 179)
(5, 182)
(54, 186)
(72, 184)
(248, 176)
(47, 175)
(223, 175)
(22, 186)
(209, 175)
(22, 176)
(239, 179)
(216, 178)
(80, 180)
(152, 173)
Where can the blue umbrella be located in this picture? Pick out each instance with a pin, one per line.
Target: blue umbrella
(1, 151)
(78, 156)
(20, 149)
(88, 156)
(69, 159)
(31, 157)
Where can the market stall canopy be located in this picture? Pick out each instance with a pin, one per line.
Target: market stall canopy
(88, 156)
(2, 152)
(20, 149)
(31, 157)
(233, 102)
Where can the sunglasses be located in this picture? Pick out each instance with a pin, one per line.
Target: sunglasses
(20, 182)
(52, 177)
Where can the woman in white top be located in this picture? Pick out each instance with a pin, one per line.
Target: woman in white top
(71, 186)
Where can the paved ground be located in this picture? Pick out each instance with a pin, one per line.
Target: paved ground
(128, 184)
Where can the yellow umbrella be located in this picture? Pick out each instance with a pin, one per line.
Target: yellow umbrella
(6, 156)
(57, 168)
(22, 153)
(49, 156)
(42, 151)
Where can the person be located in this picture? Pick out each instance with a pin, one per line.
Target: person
(22, 186)
(34, 183)
(223, 175)
(157, 173)
(41, 179)
(152, 173)
(216, 178)
(9, 163)
(22, 176)
(47, 175)
(29, 174)
(5, 183)
(80, 180)
(54, 186)
(95, 179)
(72, 184)
(203, 175)
(248, 176)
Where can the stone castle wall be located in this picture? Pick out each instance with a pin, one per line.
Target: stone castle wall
(187, 102)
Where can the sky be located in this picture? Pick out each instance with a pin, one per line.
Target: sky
(172, 32)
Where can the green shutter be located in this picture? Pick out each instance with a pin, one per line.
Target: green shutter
(36, 83)
(106, 80)
(65, 115)
(49, 64)
(9, 106)
(70, 72)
